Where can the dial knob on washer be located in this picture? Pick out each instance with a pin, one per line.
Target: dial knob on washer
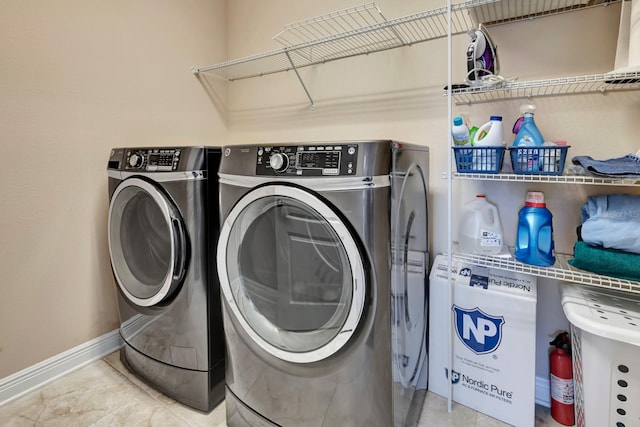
(278, 162)
(136, 160)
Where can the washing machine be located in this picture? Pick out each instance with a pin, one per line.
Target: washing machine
(322, 259)
(163, 225)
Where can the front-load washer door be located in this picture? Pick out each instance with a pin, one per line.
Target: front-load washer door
(291, 273)
(147, 242)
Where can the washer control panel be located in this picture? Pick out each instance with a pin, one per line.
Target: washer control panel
(307, 160)
(152, 159)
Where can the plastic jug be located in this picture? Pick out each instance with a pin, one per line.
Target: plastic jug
(460, 132)
(534, 239)
(488, 135)
(480, 228)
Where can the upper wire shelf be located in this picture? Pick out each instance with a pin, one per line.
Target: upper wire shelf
(595, 83)
(561, 179)
(561, 270)
(350, 32)
(363, 30)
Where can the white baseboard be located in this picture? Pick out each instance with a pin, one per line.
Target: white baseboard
(543, 397)
(35, 376)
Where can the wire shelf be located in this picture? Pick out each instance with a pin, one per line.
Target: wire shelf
(330, 25)
(363, 30)
(516, 10)
(559, 179)
(595, 83)
(346, 33)
(561, 270)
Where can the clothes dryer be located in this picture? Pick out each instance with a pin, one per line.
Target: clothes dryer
(163, 226)
(322, 259)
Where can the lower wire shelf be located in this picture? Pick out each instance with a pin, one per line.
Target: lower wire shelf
(561, 270)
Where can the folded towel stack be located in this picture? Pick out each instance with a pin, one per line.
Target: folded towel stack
(608, 262)
(609, 238)
(612, 221)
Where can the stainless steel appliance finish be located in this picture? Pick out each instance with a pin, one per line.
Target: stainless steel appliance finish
(322, 259)
(163, 227)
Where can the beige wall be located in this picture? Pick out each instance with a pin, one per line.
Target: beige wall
(398, 94)
(77, 78)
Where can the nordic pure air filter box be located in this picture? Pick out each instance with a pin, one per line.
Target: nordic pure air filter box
(493, 317)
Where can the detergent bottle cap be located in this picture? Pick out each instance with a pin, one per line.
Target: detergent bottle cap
(496, 118)
(527, 108)
(457, 121)
(535, 199)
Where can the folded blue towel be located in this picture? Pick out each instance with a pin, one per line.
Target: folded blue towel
(612, 221)
(621, 167)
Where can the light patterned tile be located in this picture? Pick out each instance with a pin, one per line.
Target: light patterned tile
(435, 413)
(544, 418)
(487, 421)
(24, 411)
(82, 397)
(136, 415)
(114, 361)
(216, 418)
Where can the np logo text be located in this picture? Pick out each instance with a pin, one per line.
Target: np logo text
(478, 331)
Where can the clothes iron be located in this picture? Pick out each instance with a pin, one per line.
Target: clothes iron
(482, 57)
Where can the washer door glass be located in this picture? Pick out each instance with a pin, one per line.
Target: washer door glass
(146, 242)
(292, 273)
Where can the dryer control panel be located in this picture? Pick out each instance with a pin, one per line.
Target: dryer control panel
(307, 160)
(152, 159)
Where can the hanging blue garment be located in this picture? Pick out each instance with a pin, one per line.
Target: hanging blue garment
(612, 221)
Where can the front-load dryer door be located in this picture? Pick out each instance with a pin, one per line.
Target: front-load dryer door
(291, 273)
(408, 286)
(147, 242)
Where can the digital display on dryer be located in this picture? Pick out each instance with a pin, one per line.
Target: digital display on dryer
(307, 160)
(326, 160)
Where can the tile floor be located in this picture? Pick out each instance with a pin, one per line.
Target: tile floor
(104, 393)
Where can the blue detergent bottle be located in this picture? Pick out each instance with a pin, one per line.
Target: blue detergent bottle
(534, 239)
(528, 134)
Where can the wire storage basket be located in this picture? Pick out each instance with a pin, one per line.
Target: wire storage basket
(478, 159)
(539, 160)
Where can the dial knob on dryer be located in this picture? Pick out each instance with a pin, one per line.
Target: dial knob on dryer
(279, 162)
(136, 160)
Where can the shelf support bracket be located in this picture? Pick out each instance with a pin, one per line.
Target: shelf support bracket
(295, 69)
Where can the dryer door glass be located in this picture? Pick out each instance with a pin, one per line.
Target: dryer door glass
(292, 273)
(146, 239)
(409, 274)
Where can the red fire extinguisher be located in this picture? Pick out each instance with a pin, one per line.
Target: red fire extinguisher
(561, 378)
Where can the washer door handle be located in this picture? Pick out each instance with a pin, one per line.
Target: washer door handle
(181, 250)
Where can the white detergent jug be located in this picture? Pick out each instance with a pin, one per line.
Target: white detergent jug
(480, 229)
(488, 135)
